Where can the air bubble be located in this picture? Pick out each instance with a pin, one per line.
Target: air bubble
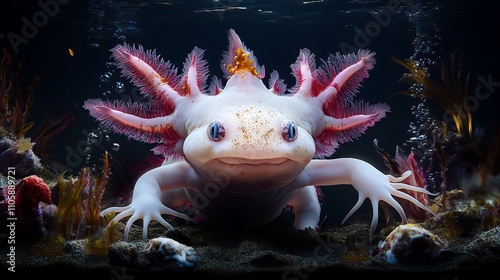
(93, 138)
(119, 87)
(106, 77)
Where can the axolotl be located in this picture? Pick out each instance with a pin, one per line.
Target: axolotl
(240, 154)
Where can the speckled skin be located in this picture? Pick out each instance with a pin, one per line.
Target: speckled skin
(243, 152)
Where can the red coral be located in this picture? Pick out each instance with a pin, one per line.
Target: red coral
(30, 191)
(27, 194)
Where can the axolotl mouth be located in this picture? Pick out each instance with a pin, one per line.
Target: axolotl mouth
(253, 162)
(257, 170)
(253, 175)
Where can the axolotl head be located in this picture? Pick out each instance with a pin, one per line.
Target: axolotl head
(248, 133)
(245, 132)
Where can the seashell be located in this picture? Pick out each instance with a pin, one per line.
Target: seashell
(411, 244)
(163, 249)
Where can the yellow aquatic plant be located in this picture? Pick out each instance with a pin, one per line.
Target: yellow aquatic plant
(67, 217)
(69, 205)
(99, 243)
(94, 199)
(448, 93)
(78, 213)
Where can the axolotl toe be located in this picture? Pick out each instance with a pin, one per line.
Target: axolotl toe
(242, 152)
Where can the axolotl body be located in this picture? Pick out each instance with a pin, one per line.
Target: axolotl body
(241, 153)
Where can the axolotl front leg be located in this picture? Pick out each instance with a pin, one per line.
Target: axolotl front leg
(147, 196)
(365, 178)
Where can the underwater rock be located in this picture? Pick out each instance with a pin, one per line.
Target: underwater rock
(19, 156)
(412, 244)
(23, 202)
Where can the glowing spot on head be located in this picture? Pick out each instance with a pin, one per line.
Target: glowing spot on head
(242, 62)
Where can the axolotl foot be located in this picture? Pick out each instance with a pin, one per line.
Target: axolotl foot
(148, 211)
(371, 183)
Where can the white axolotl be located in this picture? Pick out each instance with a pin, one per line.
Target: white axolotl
(241, 153)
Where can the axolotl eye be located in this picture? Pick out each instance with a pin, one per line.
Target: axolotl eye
(216, 131)
(289, 130)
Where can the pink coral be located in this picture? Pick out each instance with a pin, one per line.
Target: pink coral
(402, 162)
(417, 178)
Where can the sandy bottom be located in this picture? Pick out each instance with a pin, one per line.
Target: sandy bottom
(276, 251)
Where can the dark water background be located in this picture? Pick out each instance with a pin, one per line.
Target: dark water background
(39, 33)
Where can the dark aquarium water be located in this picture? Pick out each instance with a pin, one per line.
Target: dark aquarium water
(436, 68)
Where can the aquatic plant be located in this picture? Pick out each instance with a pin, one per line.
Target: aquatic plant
(79, 201)
(449, 93)
(69, 204)
(459, 161)
(453, 156)
(99, 243)
(95, 193)
(78, 213)
(16, 97)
